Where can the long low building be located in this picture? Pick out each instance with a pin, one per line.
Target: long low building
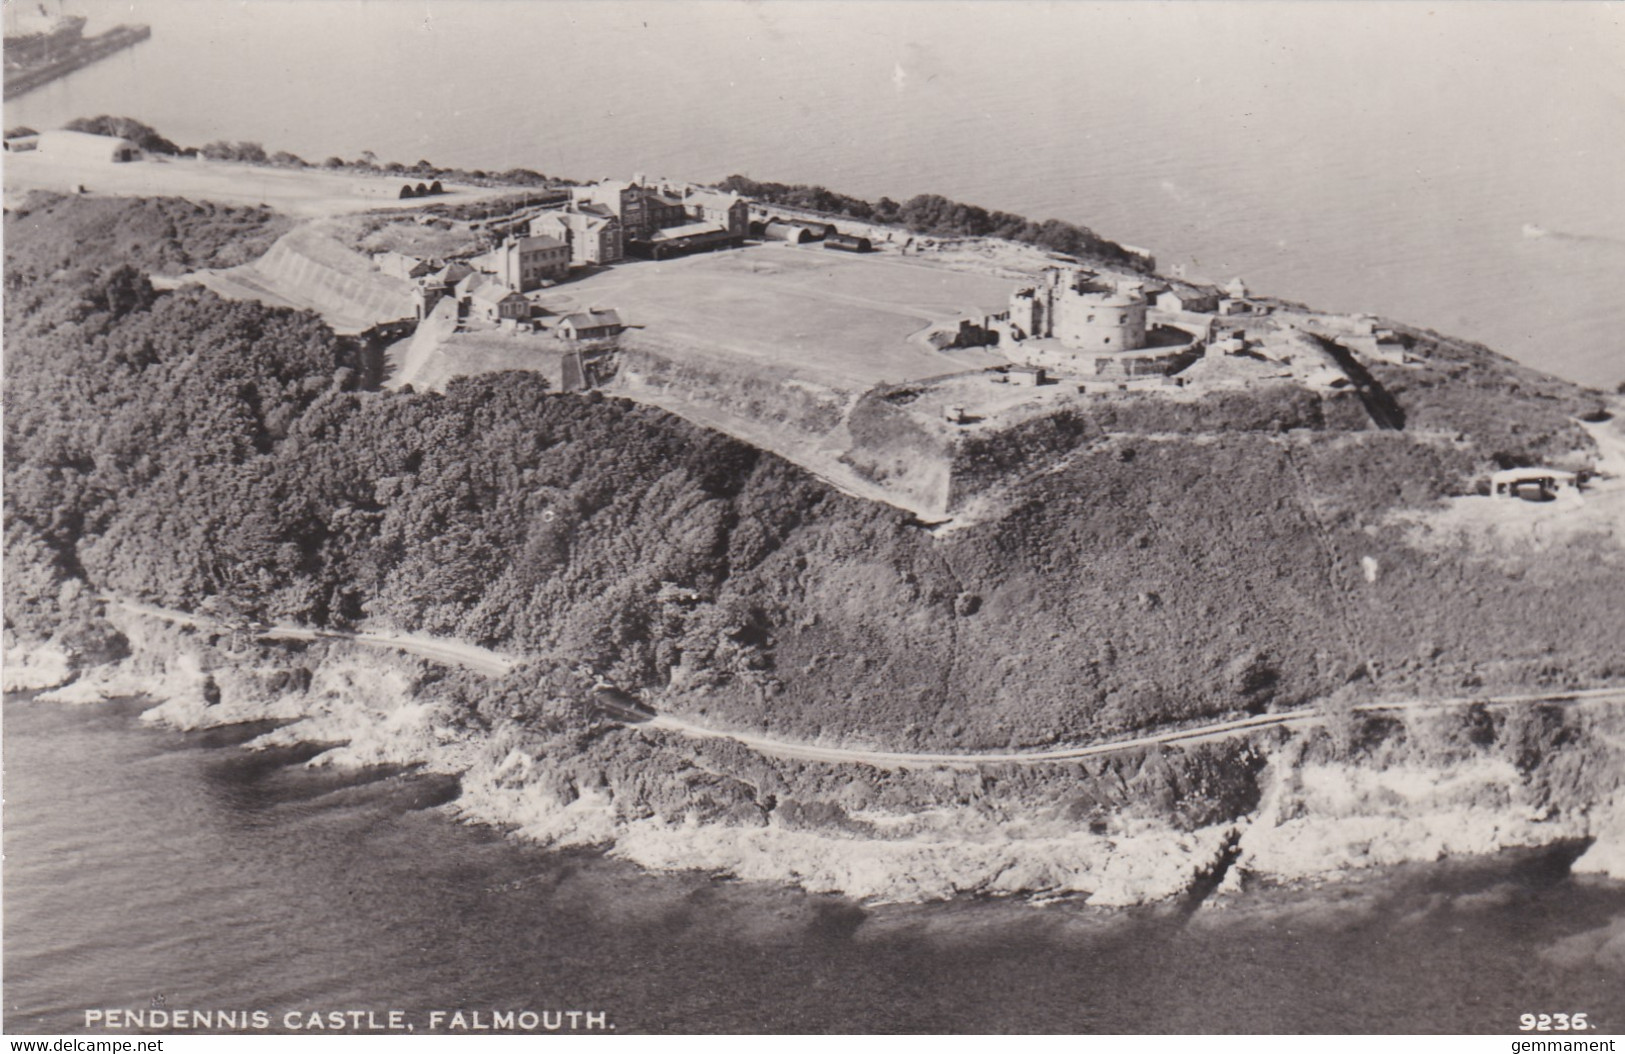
(1534, 483)
(590, 325)
(60, 144)
(687, 238)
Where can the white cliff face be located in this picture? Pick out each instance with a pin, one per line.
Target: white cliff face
(1606, 857)
(1110, 872)
(27, 669)
(1318, 821)
(514, 791)
(373, 716)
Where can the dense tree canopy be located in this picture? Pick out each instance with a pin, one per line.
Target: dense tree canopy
(177, 447)
(937, 215)
(142, 135)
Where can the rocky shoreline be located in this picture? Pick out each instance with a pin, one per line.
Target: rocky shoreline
(1315, 819)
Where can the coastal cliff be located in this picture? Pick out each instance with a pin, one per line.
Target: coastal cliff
(1171, 570)
(1309, 803)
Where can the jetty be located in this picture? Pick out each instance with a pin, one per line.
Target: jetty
(39, 58)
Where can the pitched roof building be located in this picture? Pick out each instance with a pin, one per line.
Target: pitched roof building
(590, 325)
(523, 264)
(593, 234)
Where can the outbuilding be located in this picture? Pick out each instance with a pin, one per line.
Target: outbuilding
(62, 145)
(794, 233)
(590, 325)
(1180, 297)
(482, 296)
(514, 307)
(1534, 484)
(848, 243)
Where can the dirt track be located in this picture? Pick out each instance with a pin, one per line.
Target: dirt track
(488, 662)
(294, 191)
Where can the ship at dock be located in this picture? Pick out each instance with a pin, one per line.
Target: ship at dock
(40, 46)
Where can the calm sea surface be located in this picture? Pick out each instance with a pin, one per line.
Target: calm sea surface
(1370, 156)
(142, 864)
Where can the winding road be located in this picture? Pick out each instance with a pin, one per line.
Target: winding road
(451, 652)
(483, 660)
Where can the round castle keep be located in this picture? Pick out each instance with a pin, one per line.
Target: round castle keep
(1100, 321)
(1068, 306)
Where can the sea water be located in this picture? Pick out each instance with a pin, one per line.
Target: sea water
(1454, 166)
(147, 868)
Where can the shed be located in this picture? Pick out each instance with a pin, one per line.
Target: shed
(63, 145)
(590, 325)
(1026, 376)
(483, 295)
(848, 243)
(514, 306)
(794, 233)
(1533, 483)
(1181, 297)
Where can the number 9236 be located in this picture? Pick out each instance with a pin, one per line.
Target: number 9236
(1553, 1023)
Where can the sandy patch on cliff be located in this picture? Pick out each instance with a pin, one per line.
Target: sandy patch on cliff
(1493, 527)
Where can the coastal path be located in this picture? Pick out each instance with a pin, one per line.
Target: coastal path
(883, 759)
(438, 649)
(483, 660)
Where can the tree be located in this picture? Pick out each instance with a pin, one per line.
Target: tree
(142, 135)
(523, 177)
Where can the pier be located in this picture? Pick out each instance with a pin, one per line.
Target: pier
(63, 58)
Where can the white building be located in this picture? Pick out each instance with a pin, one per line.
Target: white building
(59, 144)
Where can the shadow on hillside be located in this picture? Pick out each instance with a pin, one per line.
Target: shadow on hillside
(1384, 409)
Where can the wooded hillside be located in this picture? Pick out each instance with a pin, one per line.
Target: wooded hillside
(177, 447)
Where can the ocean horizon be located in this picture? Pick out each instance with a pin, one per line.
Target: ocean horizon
(1454, 168)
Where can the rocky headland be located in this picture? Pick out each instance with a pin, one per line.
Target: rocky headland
(1443, 664)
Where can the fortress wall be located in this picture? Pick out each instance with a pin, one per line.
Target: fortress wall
(312, 270)
(985, 460)
(893, 447)
(770, 402)
(981, 462)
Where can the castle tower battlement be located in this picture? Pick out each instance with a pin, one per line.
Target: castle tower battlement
(1072, 306)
